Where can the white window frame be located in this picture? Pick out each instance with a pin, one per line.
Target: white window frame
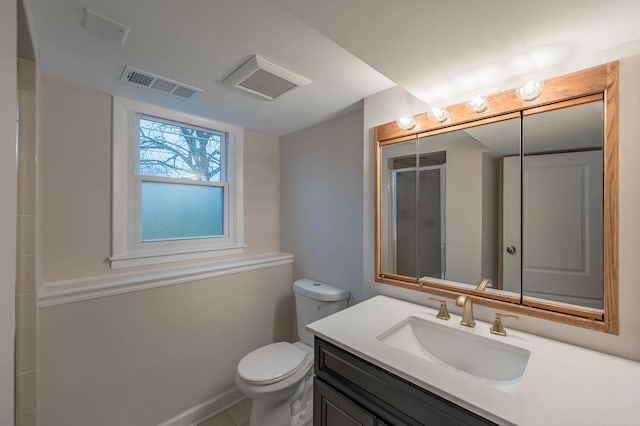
(128, 249)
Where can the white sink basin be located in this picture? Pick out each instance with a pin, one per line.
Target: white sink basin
(475, 355)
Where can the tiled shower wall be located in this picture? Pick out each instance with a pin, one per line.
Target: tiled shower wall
(26, 288)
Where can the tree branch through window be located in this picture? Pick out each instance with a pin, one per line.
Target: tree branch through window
(172, 150)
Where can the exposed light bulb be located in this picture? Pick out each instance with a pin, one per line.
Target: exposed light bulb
(406, 122)
(439, 115)
(478, 104)
(530, 90)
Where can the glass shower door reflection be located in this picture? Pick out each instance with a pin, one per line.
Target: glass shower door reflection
(418, 211)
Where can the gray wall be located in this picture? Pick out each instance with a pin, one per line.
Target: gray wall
(26, 300)
(321, 202)
(8, 207)
(142, 357)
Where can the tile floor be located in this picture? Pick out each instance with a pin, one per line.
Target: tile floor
(238, 415)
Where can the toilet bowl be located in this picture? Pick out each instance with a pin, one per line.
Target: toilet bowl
(278, 378)
(274, 378)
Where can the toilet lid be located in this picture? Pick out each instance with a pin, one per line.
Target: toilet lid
(271, 363)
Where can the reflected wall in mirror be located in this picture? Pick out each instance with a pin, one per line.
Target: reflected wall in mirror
(474, 195)
(524, 194)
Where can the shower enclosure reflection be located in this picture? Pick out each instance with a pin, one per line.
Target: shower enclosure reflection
(418, 240)
(441, 201)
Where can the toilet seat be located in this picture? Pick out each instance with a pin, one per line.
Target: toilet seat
(272, 363)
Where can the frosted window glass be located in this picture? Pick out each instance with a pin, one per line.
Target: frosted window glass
(171, 210)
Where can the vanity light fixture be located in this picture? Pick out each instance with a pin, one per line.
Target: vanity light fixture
(439, 115)
(478, 104)
(530, 90)
(406, 122)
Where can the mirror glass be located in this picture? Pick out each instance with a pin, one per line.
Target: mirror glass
(562, 254)
(398, 191)
(443, 206)
(464, 205)
(524, 194)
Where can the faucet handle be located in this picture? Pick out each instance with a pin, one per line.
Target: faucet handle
(497, 327)
(443, 313)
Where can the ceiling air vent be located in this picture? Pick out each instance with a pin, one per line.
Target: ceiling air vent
(105, 27)
(263, 78)
(145, 79)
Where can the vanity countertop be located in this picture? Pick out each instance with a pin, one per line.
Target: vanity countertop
(562, 384)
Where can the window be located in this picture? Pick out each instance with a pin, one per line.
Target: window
(176, 186)
(182, 180)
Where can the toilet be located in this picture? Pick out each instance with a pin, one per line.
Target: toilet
(278, 378)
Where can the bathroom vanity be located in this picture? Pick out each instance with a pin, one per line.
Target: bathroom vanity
(390, 362)
(347, 387)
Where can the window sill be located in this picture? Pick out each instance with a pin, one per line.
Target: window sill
(127, 261)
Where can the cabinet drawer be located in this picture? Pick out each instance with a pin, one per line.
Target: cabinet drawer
(389, 397)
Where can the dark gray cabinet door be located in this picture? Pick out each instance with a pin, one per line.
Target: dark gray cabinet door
(384, 395)
(332, 409)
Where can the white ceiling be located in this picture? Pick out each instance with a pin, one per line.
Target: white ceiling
(437, 51)
(198, 42)
(442, 50)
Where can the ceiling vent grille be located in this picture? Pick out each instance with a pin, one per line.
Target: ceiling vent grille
(160, 84)
(263, 78)
(105, 27)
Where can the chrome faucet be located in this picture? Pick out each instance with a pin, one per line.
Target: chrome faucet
(466, 303)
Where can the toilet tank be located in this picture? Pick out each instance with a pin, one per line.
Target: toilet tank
(316, 300)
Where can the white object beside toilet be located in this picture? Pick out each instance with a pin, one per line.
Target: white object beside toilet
(278, 377)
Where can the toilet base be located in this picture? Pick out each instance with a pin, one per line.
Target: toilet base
(294, 411)
(267, 413)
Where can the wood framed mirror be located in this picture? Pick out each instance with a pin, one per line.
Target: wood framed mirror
(524, 193)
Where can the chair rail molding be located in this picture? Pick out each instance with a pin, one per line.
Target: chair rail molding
(55, 293)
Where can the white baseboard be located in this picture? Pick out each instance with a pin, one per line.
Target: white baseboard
(205, 410)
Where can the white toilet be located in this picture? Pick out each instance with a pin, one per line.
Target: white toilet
(278, 377)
